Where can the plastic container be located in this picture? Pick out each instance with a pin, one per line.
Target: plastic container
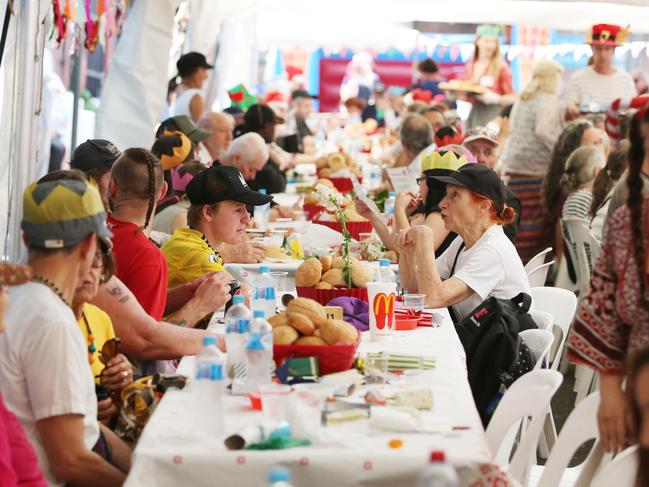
(237, 322)
(279, 477)
(208, 388)
(261, 213)
(438, 473)
(388, 208)
(331, 358)
(264, 292)
(259, 353)
(384, 273)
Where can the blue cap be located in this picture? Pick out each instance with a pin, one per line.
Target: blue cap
(262, 191)
(237, 299)
(384, 262)
(279, 474)
(264, 269)
(209, 340)
(392, 194)
(258, 313)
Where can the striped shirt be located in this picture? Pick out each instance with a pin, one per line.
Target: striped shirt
(587, 86)
(577, 205)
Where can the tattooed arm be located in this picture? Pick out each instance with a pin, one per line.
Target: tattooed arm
(144, 338)
(210, 295)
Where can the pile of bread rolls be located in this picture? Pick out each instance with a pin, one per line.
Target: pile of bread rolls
(327, 273)
(305, 322)
(337, 163)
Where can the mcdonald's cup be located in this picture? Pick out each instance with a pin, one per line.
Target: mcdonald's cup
(381, 298)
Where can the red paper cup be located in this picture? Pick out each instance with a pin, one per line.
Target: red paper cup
(323, 296)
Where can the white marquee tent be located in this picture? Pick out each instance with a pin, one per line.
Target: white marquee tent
(134, 89)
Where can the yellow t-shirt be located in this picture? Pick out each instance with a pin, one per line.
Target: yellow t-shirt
(102, 330)
(189, 257)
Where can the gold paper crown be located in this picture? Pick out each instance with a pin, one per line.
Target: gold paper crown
(449, 160)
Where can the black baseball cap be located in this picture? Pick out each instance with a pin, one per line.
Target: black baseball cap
(93, 154)
(234, 188)
(184, 124)
(259, 115)
(480, 179)
(190, 62)
(302, 94)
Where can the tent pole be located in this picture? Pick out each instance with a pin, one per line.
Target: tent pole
(75, 82)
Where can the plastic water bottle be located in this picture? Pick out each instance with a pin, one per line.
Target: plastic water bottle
(265, 292)
(384, 273)
(279, 477)
(259, 353)
(261, 213)
(388, 208)
(438, 473)
(375, 177)
(237, 323)
(208, 388)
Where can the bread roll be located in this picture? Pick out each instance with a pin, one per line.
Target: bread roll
(338, 332)
(309, 273)
(308, 307)
(323, 285)
(334, 277)
(284, 335)
(361, 274)
(278, 320)
(317, 341)
(325, 260)
(301, 323)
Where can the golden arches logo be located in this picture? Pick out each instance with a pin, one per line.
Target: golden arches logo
(383, 308)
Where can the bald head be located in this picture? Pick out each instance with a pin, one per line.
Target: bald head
(416, 133)
(221, 125)
(248, 153)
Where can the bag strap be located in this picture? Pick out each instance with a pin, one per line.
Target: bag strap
(524, 301)
(454, 318)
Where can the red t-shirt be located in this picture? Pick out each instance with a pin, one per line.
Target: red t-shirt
(18, 464)
(140, 265)
(502, 85)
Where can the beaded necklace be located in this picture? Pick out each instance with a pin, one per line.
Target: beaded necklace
(204, 238)
(46, 282)
(92, 348)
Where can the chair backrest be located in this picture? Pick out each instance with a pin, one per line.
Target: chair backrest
(543, 319)
(619, 472)
(537, 277)
(583, 248)
(562, 305)
(529, 396)
(580, 427)
(539, 343)
(537, 260)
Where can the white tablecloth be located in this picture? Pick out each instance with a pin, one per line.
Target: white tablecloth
(172, 453)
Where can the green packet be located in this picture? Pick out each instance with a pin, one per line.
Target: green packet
(280, 443)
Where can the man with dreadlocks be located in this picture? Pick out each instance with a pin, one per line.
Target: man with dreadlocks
(136, 186)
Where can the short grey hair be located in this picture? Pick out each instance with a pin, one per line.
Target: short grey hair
(416, 133)
(248, 146)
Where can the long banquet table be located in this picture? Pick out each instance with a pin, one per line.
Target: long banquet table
(171, 452)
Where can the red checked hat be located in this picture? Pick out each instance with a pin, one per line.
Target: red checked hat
(607, 35)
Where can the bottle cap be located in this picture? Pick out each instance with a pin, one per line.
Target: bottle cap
(437, 456)
(279, 474)
(209, 340)
(392, 194)
(237, 299)
(384, 262)
(258, 313)
(262, 191)
(264, 269)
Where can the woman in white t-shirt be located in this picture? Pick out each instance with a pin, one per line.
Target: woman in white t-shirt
(480, 263)
(186, 97)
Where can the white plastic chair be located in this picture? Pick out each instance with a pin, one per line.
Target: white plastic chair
(539, 343)
(529, 396)
(580, 427)
(537, 260)
(543, 319)
(538, 276)
(619, 472)
(583, 247)
(562, 305)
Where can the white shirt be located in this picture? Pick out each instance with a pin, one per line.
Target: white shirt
(44, 369)
(587, 86)
(180, 106)
(491, 267)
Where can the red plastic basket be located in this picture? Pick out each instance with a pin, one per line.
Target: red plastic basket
(354, 228)
(323, 296)
(331, 358)
(344, 185)
(313, 210)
